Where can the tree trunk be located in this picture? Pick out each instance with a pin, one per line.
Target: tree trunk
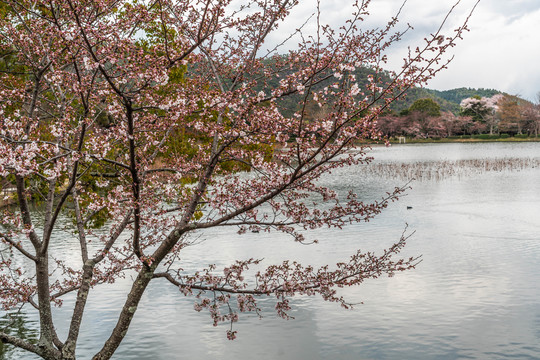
(45, 314)
(68, 350)
(128, 311)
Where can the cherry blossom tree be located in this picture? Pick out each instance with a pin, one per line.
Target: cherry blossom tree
(391, 125)
(451, 123)
(482, 109)
(511, 115)
(531, 113)
(145, 121)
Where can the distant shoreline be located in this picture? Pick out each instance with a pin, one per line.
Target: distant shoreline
(468, 139)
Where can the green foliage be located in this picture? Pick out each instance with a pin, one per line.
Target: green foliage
(7, 181)
(98, 219)
(421, 93)
(457, 95)
(38, 188)
(179, 143)
(448, 100)
(474, 114)
(427, 106)
(177, 74)
(4, 9)
(104, 119)
(487, 136)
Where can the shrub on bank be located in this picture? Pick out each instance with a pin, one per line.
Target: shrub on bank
(487, 136)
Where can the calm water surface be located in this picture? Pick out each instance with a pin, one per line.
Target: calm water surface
(475, 295)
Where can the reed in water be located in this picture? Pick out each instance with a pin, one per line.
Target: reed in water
(438, 170)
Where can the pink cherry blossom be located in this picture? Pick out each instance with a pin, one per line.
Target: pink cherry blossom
(147, 121)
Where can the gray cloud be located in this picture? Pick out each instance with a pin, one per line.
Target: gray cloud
(501, 51)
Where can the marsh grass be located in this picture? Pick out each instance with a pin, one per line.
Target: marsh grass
(439, 170)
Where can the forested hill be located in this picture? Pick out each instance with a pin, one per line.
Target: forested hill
(457, 95)
(449, 100)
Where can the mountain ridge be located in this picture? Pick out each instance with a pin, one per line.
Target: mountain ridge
(449, 100)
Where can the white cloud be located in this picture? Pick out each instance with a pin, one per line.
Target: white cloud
(501, 51)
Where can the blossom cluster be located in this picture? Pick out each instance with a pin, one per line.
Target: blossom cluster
(146, 121)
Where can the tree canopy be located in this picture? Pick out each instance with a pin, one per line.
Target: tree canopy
(145, 122)
(427, 107)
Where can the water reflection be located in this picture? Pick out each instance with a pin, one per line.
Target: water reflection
(475, 295)
(17, 324)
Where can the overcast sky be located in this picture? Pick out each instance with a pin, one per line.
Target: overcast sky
(502, 50)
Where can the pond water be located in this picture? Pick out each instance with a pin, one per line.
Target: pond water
(475, 295)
